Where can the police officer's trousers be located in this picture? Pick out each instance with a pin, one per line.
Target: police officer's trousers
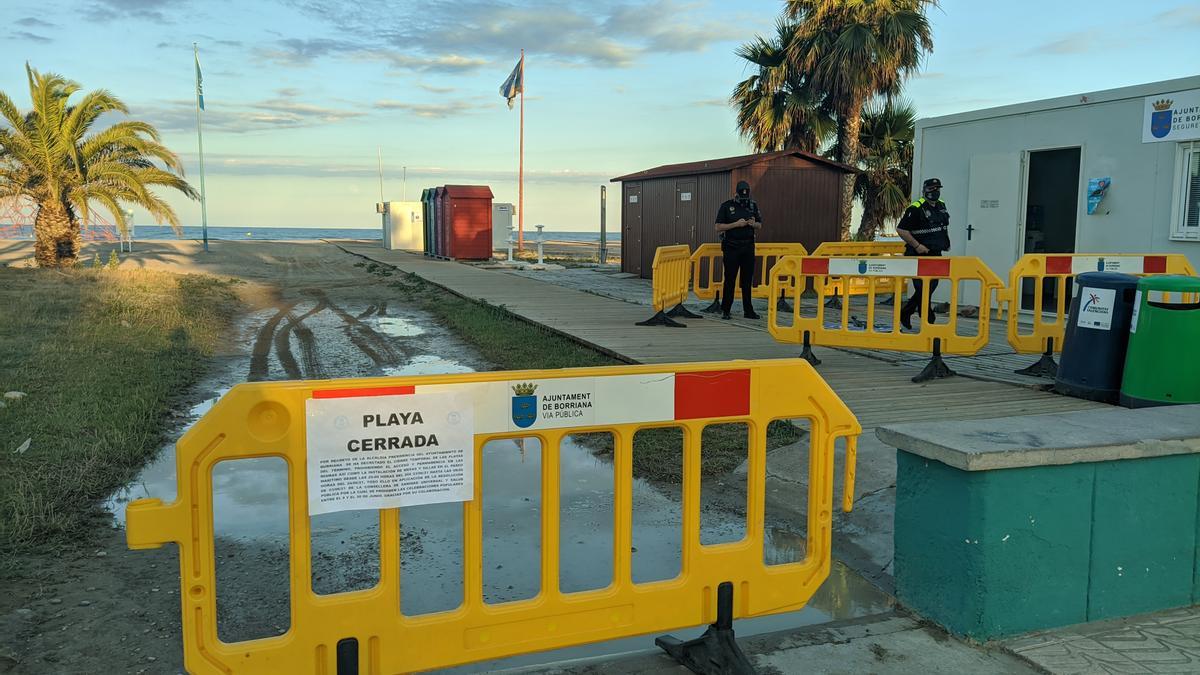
(738, 262)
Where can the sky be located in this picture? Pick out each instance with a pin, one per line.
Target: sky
(301, 94)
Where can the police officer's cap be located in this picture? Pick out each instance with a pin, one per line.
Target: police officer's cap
(932, 183)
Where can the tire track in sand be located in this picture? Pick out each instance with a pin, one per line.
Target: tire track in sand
(260, 361)
(377, 348)
(312, 367)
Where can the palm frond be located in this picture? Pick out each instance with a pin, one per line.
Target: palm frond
(53, 155)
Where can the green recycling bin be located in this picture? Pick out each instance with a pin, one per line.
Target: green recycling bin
(1160, 364)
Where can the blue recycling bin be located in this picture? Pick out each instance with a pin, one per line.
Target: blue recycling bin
(1096, 335)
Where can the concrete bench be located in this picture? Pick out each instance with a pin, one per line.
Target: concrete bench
(1021, 523)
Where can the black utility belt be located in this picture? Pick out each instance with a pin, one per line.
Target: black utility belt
(930, 230)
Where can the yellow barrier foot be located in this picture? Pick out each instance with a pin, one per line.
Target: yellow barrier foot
(807, 352)
(781, 304)
(686, 313)
(716, 652)
(661, 319)
(1045, 366)
(715, 306)
(936, 369)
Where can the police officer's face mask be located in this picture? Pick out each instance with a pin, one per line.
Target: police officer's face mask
(933, 194)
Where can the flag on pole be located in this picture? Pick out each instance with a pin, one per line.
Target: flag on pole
(200, 84)
(515, 84)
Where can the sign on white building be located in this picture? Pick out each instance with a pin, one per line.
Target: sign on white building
(1172, 117)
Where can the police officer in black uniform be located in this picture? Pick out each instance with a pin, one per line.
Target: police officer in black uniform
(737, 221)
(925, 229)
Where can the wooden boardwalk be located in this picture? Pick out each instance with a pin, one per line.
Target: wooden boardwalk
(878, 391)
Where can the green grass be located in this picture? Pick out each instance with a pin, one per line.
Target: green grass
(503, 339)
(102, 357)
(515, 344)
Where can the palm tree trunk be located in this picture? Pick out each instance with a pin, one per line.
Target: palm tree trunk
(872, 217)
(56, 234)
(849, 124)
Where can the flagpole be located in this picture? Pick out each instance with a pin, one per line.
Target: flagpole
(200, 144)
(521, 167)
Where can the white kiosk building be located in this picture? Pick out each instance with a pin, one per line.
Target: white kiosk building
(1016, 178)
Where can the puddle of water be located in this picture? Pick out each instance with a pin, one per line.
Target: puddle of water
(397, 327)
(844, 595)
(158, 477)
(252, 500)
(428, 364)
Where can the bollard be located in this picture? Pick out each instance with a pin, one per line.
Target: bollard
(541, 258)
(510, 243)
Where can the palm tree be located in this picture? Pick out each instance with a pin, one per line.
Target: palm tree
(47, 155)
(854, 50)
(886, 142)
(777, 107)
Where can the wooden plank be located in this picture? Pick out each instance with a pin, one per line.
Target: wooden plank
(875, 384)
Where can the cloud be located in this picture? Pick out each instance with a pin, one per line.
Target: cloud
(301, 52)
(713, 102)
(302, 112)
(435, 90)
(288, 92)
(268, 115)
(1079, 42)
(596, 34)
(31, 37)
(32, 22)
(1179, 17)
(429, 110)
(150, 10)
(247, 165)
(445, 63)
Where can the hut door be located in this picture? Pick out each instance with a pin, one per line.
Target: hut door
(631, 230)
(685, 212)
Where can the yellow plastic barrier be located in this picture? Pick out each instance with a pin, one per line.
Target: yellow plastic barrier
(862, 249)
(858, 249)
(669, 275)
(840, 328)
(1047, 276)
(708, 276)
(278, 419)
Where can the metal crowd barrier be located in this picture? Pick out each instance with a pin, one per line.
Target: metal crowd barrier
(670, 275)
(336, 633)
(841, 328)
(708, 276)
(1046, 277)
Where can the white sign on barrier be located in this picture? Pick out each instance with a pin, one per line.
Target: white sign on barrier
(873, 267)
(1127, 264)
(382, 452)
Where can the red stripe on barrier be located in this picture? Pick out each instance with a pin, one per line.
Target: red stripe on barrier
(814, 266)
(717, 393)
(1154, 264)
(933, 267)
(371, 391)
(1058, 265)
